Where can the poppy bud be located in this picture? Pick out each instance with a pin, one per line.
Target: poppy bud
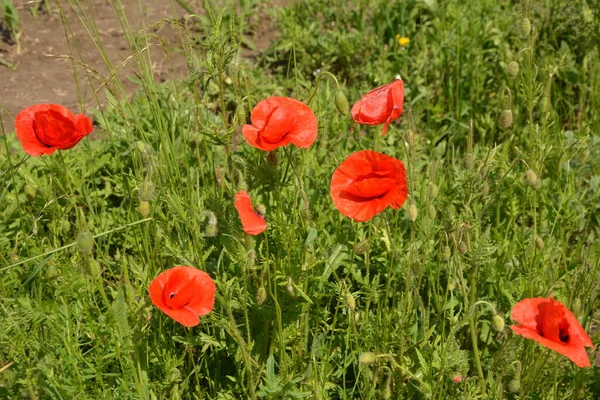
(457, 377)
(85, 242)
(272, 159)
(525, 27)
(30, 192)
(531, 178)
(350, 302)
(290, 287)
(341, 103)
(498, 323)
(431, 211)
(387, 391)
(228, 81)
(261, 209)
(14, 257)
(94, 268)
(410, 137)
(539, 242)
(51, 272)
(506, 118)
(211, 230)
(361, 247)
(463, 247)
(485, 189)
(577, 305)
(145, 152)
(193, 65)
(147, 191)
(65, 226)
(433, 190)
(469, 161)
(514, 386)
(367, 358)
(144, 209)
(512, 69)
(446, 253)
(261, 295)
(412, 212)
(240, 114)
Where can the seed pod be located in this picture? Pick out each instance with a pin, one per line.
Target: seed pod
(514, 386)
(498, 323)
(525, 27)
(144, 209)
(506, 118)
(261, 295)
(412, 212)
(30, 192)
(147, 190)
(361, 247)
(512, 69)
(367, 358)
(240, 114)
(538, 242)
(341, 102)
(85, 242)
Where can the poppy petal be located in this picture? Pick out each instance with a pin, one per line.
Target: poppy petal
(252, 223)
(381, 105)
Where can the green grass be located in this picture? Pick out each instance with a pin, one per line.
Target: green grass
(81, 325)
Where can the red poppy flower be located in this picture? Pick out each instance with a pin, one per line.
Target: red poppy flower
(183, 293)
(278, 121)
(252, 222)
(552, 325)
(381, 105)
(368, 182)
(43, 128)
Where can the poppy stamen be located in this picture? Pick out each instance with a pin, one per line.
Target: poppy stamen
(171, 295)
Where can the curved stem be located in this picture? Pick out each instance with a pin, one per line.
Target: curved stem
(322, 74)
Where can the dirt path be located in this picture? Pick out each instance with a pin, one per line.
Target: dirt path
(41, 77)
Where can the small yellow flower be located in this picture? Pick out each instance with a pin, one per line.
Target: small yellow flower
(402, 41)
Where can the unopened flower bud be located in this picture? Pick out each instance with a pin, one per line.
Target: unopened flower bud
(51, 272)
(514, 386)
(272, 159)
(341, 102)
(30, 192)
(261, 209)
(361, 247)
(350, 302)
(367, 358)
(577, 305)
(144, 209)
(240, 114)
(531, 178)
(228, 81)
(457, 377)
(211, 230)
(432, 211)
(65, 226)
(506, 118)
(498, 323)
(193, 64)
(412, 212)
(289, 287)
(94, 268)
(525, 27)
(446, 253)
(410, 137)
(433, 190)
(463, 247)
(512, 69)
(145, 152)
(469, 161)
(147, 190)
(85, 242)
(261, 295)
(485, 189)
(538, 242)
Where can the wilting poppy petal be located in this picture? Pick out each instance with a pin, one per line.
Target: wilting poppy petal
(552, 325)
(252, 222)
(380, 106)
(43, 128)
(368, 182)
(278, 121)
(183, 293)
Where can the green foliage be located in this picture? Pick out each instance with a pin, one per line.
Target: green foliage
(297, 305)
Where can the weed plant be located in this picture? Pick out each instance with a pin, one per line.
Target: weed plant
(503, 170)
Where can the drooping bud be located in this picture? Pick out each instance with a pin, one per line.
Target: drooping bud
(514, 386)
(367, 358)
(30, 192)
(289, 287)
(410, 137)
(193, 64)
(469, 161)
(147, 190)
(85, 242)
(261, 209)
(145, 152)
(433, 190)
(361, 247)
(211, 230)
(350, 301)
(341, 102)
(525, 27)
(463, 247)
(144, 209)
(531, 178)
(94, 268)
(506, 118)
(538, 242)
(446, 253)
(412, 211)
(65, 226)
(498, 323)
(261, 295)
(512, 69)
(240, 114)
(485, 189)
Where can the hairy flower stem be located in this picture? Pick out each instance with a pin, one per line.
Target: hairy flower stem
(473, 329)
(321, 75)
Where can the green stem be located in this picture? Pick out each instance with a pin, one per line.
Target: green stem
(324, 73)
